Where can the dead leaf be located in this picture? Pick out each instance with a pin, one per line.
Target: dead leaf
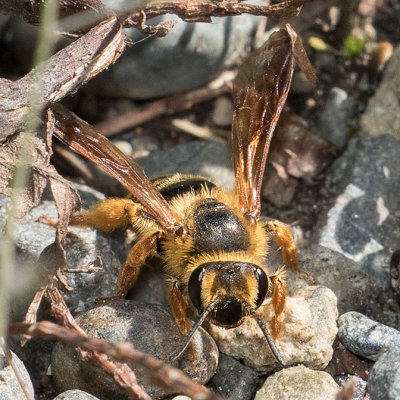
(62, 73)
(303, 153)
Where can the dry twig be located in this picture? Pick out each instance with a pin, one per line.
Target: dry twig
(203, 10)
(166, 106)
(28, 392)
(122, 374)
(165, 376)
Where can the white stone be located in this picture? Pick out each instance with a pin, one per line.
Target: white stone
(298, 383)
(308, 331)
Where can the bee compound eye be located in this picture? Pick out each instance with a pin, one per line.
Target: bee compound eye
(194, 287)
(262, 283)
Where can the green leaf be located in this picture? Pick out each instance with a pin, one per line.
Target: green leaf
(353, 46)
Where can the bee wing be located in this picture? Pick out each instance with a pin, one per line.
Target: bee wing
(259, 91)
(84, 139)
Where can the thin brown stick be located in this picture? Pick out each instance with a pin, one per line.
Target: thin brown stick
(122, 374)
(163, 375)
(201, 132)
(203, 10)
(17, 371)
(94, 266)
(166, 106)
(74, 162)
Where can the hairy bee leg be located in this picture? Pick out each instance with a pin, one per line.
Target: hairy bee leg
(45, 219)
(106, 215)
(178, 306)
(284, 239)
(129, 272)
(278, 302)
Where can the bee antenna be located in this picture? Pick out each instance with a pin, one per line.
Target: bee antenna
(189, 336)
(268, 336)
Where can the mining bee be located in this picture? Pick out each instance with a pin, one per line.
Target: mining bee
(212, 242)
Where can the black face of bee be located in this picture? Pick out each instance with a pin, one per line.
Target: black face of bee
(228, 312)
(218, 228)
(228, 281)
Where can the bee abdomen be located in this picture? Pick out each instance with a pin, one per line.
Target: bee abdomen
(184, 184)
(218, 228)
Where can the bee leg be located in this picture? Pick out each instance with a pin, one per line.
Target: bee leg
(278, 302)
(129, 272)
(284, 239)
(178, 307)
(105, 215)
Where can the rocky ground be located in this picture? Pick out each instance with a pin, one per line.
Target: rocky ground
(346, 219)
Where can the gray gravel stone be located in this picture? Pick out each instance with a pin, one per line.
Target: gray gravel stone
(75, 395)
(150, 328)
(366, 337)
(235, 380)
(384, 380)
(361, 221)
(190, 55)
(211, 160)
(383, 111)
(352, 285)
(298, 383)
(334, 116)
(10, 389)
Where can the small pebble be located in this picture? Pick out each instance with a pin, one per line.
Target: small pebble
(10, 388)
(223, 111)
(75, 394)
(308, 331)
(298, 383)
(334, 116)
(235, 380)
(366, 337)
(384, 380)
(181, 398)
(124, 146)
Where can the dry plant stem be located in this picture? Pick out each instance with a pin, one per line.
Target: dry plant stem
(203, 10)
(163, 375)
(122, 374)
(166, 106)
(74, 162)
(16, 370)
(30, 316)
(29, 10)
(197, 131)
(194, 10)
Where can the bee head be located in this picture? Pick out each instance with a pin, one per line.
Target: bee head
(235, 284)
